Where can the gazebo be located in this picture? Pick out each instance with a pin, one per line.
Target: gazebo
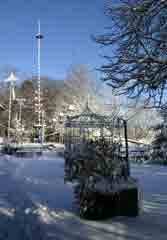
(96, 157)
(90, 126)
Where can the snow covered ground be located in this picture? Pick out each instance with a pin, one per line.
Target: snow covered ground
(36, 204)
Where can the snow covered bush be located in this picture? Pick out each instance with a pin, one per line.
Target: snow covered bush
(98, 168)
(95, 161)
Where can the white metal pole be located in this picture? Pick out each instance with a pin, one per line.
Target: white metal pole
(11, 79)
(39, 73)
(39, 36)
(9, 109)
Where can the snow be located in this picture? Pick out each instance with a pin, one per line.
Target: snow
(36, 204)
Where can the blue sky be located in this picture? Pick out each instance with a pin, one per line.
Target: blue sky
(66, 25)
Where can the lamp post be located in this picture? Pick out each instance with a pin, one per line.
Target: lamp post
(11, 80)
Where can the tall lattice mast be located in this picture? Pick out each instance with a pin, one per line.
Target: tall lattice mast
(39, 37)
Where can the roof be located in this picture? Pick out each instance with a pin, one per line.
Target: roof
(89, 118)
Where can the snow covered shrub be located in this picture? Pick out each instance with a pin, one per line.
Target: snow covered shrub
(98, 167)
(95, 161)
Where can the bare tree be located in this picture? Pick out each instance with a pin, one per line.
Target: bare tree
(80, 87)
(137, 38)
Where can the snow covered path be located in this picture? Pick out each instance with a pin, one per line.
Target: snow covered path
(45, 205)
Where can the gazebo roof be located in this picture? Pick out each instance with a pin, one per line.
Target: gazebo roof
(88, 117)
